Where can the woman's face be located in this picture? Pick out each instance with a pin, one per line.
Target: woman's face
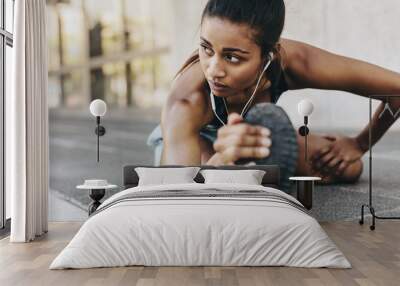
(229, 57)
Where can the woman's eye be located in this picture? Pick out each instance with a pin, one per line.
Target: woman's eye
(207, 50)
(232, 59)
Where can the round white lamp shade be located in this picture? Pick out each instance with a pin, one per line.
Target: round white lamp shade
(305, 107)
(98, 107)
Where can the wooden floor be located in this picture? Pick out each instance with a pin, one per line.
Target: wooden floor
(375, 257)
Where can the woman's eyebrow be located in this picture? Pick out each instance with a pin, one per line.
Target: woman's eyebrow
(226, 49)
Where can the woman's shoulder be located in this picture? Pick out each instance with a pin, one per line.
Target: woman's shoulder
(291, 52)
(190, 80)
(189, 88)
(294, 58)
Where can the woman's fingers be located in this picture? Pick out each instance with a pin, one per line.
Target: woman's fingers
(239, 140)
(341, 168)
(324, 161)
(320, 157)
(233, 153)
(234, 118)
(319, 164)
(320, 153)
(334, 162)
(243, 129)
(330, 137)
(242, 141)
(330, 167)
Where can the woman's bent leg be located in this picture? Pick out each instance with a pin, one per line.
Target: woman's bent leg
(288, 147)
(315, 143)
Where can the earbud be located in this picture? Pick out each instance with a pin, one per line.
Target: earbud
(270, 59)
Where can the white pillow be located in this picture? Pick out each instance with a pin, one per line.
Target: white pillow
(162, 176)
(248, 177)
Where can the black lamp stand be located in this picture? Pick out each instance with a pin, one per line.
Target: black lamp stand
(305, 188)
(96, 195)
(100, 131)
(303, 131)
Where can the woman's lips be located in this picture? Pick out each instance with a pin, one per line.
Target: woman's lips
(217, 86)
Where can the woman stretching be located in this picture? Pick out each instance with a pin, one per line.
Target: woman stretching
(221, 109)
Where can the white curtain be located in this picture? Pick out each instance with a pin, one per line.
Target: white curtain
(27, 124)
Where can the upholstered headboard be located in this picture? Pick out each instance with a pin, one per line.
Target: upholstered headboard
(271, 177)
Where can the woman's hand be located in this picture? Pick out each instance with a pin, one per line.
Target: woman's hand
(337, 156)
(238, 140)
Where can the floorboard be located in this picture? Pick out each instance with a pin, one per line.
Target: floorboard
(374, 255)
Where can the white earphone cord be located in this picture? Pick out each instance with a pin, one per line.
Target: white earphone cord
(255, 90)
(215, 113)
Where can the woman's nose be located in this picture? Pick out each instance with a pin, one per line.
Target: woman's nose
(216, 69)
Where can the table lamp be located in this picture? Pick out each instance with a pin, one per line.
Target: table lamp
(98, 108)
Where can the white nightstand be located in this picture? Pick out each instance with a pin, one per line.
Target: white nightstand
(305, 188)
(97, 190)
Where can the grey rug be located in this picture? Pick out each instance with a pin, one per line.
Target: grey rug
(343, 201)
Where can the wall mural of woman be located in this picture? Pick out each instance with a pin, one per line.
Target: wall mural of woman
(138, 58)
(236, 39)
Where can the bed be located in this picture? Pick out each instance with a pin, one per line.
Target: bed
(198, 224)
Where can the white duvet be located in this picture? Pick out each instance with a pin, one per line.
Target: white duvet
(202, 231)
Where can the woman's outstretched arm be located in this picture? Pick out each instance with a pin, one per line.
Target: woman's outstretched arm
(311, 67)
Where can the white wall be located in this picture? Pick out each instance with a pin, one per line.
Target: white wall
(187, 25)
(364, 29)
